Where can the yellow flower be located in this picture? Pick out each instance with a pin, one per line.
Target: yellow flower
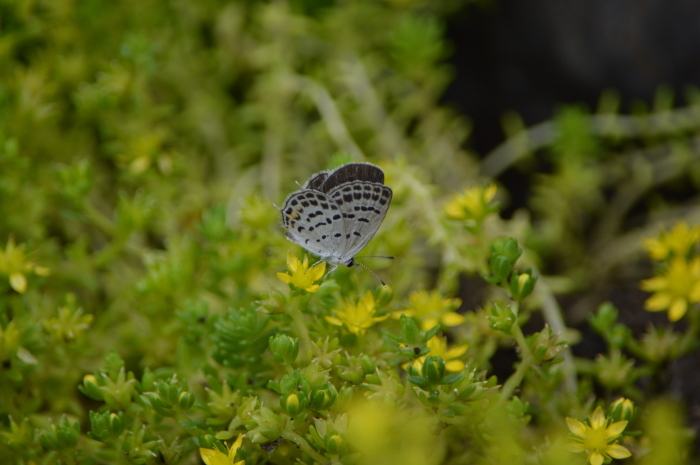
(438, 347)
(357, 317)
(674, 243)
(432, 309)
(216, 457)
(678, 287)
(302, 277)
(14, 263)
(473, 204)
(597, 439)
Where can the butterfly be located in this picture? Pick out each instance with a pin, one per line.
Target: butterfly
(336, 213)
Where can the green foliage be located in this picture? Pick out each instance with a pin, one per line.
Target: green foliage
(143, 146)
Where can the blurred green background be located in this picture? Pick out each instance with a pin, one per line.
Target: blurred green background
(143, 146)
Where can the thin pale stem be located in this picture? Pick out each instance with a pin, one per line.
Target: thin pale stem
(304, 446)
(515, 379)
(301, 329)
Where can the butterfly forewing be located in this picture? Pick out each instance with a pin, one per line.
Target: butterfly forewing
(348, 173)
(316, 181)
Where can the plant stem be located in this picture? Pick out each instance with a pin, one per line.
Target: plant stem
(301, 330)
(519, 337)
(515, 379)
(527, 361)
(304, 446)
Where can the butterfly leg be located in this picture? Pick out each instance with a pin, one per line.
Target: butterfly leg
(333, 268)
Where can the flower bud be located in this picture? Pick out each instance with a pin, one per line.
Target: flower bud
(284, 348)
(501, 318)
(67, 435)
(323, 396)
(622, 409)
(333, 443)
(116, 423)
(91, 388)
(48, 440)
(434, 369)
(293, 404)
(100, 428)
(521, 285)
(185, 400)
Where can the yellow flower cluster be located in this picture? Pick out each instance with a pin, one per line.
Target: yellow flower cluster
(472, 205)
(302, 277)
(438, 347)
(431, 309)
(216, 457)
(674, 243)
(357, 318)
(678, 283)
(597, 438)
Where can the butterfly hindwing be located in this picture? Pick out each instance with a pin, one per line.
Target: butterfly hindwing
(363, 206)
(313, 221)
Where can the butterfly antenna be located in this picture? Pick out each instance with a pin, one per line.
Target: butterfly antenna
(376, 256)
(373, 273)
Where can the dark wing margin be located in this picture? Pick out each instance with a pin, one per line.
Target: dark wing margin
(316, 181)
(351, 172)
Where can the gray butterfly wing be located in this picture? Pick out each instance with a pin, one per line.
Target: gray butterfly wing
(363, 206)
(314, 221)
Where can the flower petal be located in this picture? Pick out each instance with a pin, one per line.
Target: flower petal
(292, 262)
(44, 271)
(617, 451)
(576, 427)
(429, 323)
(658, 302)
(595, 458)
(18, 282)
(312, 288)
(334, 321)
(284, 277)
(615, 429)
(234, 447)
(452, 319)
(214, 457)
(457, 351)
(654, 284)
(489, 193)
(598, 418)
(316, 272)
(576, 447)
(454, 366)
(694, 295)
(678, 309)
